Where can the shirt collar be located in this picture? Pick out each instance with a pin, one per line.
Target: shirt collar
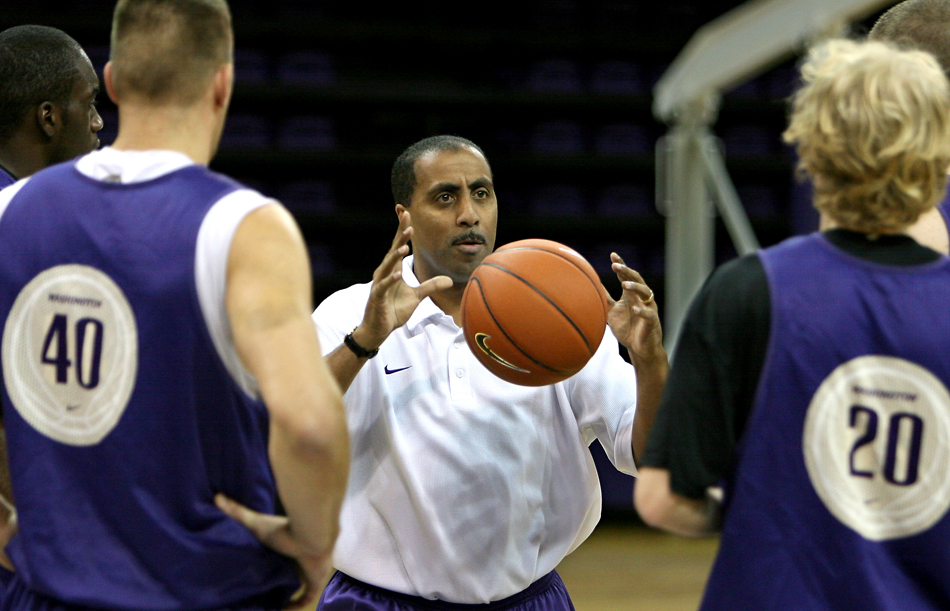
(427, 309)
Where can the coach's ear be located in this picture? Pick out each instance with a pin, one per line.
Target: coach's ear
(110, 87)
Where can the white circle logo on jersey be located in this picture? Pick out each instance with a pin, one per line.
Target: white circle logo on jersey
(877, 446)
(70, 354)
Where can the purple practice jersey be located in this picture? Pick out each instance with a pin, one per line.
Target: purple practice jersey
(840, 495)
(122, 421)
(6, 179)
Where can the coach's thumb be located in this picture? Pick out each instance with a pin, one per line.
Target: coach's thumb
(433, 285)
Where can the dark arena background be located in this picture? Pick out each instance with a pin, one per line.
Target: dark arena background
(559, 95)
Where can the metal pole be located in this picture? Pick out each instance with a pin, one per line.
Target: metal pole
(690, 226)
(727, 200)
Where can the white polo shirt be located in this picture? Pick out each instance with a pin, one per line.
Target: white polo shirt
(464, 487)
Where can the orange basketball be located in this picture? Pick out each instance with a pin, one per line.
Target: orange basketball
(534, 312)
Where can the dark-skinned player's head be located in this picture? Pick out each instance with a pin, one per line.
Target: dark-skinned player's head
(48, 91)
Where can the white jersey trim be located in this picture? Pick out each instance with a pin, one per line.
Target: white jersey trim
(211, 271)
(211, 249)
(127, 167)
(7, 194)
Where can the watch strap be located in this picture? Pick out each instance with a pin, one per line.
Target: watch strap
(359, 351)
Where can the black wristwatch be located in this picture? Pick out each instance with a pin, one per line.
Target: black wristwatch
(359, 351)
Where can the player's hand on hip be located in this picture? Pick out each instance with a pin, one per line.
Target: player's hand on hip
(275, 532)
(392, 301)
(634, 318)
(8, 528)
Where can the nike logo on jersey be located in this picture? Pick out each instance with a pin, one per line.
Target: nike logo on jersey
(389, 371)
(481, 338)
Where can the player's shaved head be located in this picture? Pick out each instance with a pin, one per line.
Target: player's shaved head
(167, 51)
(919, 24)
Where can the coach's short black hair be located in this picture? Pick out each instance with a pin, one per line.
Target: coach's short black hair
(37, 64)
(917, 24)
(403, 177)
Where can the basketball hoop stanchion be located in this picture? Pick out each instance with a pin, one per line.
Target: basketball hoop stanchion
(696, 186)
(683, 197)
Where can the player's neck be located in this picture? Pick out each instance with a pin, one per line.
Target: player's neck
(21, 157)
(188, 130)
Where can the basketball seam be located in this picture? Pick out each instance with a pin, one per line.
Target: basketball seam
(481, 294)
(546, 298)
(597, 286)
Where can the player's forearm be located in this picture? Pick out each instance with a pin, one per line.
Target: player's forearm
(651, 378)
(662, 508)
(8, 525)
(310, 461)
(6, 486)
(309, 441)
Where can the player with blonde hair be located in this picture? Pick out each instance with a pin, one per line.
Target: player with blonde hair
(877, 154)
(810, 379)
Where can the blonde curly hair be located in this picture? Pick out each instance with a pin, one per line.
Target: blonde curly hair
(872, 128)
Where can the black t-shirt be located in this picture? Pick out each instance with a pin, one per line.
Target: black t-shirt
(719, 357)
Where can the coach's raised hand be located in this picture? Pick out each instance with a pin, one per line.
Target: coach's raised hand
(391, 302)
(635, 322)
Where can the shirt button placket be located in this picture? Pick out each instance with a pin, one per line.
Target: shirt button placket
(459, 381)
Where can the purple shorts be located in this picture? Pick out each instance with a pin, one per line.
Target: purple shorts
(344, 593)
(18, 597)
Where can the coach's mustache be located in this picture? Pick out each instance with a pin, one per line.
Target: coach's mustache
(469, 238)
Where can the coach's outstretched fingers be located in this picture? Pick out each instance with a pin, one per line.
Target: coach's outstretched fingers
(391, 300)
(633, 318)
(636, 323)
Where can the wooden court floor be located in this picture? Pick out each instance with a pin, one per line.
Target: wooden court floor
(634, 568)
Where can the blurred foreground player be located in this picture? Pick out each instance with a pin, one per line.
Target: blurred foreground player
(158, 353)
(812, 376)
(48, 92)
(923, 25)
(466, 489)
